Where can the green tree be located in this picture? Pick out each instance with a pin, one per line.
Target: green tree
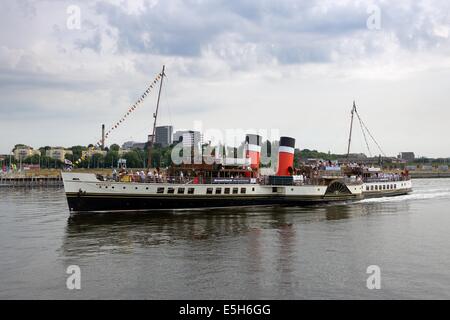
(114, 147)
(34, 159)
(77, 152)
(133, 159)
(97, 160)
(111, 158)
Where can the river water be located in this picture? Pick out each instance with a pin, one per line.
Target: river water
(318, 252)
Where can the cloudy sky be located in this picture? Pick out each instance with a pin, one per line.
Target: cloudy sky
(295, 66)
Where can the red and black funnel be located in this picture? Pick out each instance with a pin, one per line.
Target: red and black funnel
(253, 150)
(286, 156)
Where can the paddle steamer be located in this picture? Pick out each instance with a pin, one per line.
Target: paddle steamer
(227, 183)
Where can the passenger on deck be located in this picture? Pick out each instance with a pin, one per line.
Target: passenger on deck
(149, 176)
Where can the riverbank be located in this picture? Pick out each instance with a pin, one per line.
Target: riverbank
(429, 174)
(52, 177)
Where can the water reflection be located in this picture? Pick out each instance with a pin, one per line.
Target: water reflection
(87, 234)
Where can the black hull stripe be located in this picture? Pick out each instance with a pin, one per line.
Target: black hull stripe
(120, 202)
(95, 203)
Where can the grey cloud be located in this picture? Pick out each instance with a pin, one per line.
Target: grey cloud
(290, 31)
(93, 42)
(13, 79)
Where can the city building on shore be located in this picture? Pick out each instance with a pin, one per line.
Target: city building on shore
(23, 151)
(58, 153)
(163, 135)
(189, 138)
(90, 152)
(128, 145)
(407, 156)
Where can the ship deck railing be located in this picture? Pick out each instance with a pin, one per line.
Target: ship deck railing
(387, 179)
(180, 180)
(318, 181)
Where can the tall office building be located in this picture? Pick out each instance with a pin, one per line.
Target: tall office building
(189, 138)
(163, 135)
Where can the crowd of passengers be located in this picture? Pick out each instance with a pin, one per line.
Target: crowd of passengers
(154, 176)
(126, 175)
(320, 166)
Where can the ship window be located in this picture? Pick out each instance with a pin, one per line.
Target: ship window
(124, 188)
(160, 190)
(106, 187)
(145, 188)
(218, 190)
(181, 190)
(227, 191)
(235, 190)
(367, 188)
(387, 187)
(209, 191)
(384, 187)
(171, 190)
(112, 187)
(395, 186)
(274, 189)
(136, 188)
(243, 190)
(253, 189)
(191, 190)
(376, 187)
(371, 188)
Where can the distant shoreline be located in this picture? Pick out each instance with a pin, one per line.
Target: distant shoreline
(429, 175)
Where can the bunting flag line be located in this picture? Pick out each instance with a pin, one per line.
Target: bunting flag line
(131, 109)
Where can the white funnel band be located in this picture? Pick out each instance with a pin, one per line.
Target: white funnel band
(254, 147)
(285, 149)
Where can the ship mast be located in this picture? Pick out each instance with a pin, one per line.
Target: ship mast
(155, 116)
(351, 129)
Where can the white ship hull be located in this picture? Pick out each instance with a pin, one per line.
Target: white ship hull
(86, 193)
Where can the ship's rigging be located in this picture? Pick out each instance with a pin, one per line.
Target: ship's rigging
(155, 116)
(364, 130)
(130, 110)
